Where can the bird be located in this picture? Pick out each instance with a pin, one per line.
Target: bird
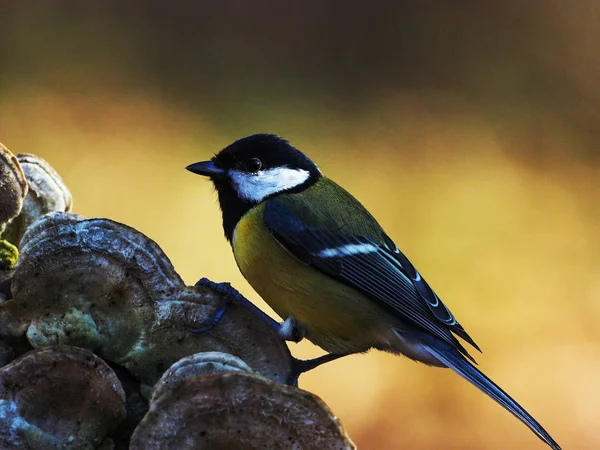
(323, 263)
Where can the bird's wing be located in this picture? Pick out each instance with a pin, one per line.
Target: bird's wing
(378, 269)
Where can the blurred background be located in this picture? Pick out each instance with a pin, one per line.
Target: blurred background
(470, 129)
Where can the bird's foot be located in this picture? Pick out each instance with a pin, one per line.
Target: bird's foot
(226, 291)
(232, 295)
(213, 323)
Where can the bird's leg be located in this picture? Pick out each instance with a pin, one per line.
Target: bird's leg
(289, 330)
(233, 296)
(304, 365)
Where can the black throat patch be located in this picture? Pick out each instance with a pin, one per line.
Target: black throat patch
(233, 207)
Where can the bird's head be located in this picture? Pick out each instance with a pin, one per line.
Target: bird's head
(254, 169)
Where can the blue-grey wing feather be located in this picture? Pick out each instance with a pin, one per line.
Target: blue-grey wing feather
(383, 272)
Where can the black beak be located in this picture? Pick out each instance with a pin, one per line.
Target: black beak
(206, 168)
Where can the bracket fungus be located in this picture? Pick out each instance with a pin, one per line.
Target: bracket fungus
(61, 397)
(207, 363)
(104, 286)
(235, 409)
(47, 192)
(76, 286)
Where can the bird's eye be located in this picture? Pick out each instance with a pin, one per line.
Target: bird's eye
(253, 165)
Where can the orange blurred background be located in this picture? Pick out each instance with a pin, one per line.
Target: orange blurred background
(470, 129)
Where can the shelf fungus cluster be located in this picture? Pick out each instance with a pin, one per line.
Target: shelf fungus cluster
(102, 344)
(214, 401)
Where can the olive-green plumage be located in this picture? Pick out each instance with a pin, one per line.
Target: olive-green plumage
(329, 206)
(332, 312)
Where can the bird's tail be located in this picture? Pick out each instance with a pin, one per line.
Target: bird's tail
(452, 359)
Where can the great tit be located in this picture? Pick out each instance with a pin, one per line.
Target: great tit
(324, 264)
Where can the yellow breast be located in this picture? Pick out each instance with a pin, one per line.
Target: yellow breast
(337, 317)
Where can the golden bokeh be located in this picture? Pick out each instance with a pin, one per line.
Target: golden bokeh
(481, 161)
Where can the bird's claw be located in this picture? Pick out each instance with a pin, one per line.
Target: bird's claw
(228, 294)
(215, 320)
(232, 295)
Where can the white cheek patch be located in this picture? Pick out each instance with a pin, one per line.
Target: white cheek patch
(348, 250)
(258, 186)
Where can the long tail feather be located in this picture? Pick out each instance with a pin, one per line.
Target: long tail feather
(460, 365)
